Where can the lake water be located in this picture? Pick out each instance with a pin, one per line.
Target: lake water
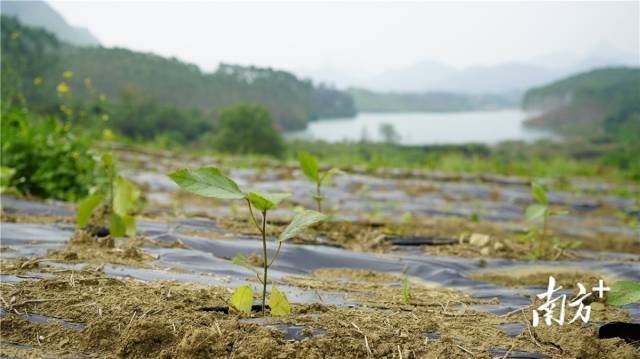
(487, 127)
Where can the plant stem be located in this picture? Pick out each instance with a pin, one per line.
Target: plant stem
(253, 217)
(264, 258)
(318, 197)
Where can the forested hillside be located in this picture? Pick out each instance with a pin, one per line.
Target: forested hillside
(152, 94)
(582, 104)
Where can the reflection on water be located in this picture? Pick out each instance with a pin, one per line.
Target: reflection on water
(427, 128)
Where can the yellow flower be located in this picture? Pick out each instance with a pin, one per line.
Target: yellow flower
(15, 35)
(104, 117)
(37, 81)
(88, 83)
(103, 98)
(67, 74)
(107, 134)
(62, 88)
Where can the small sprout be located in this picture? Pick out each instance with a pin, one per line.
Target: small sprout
(121, 196)
(405, 287)
(309, 166)
(278, 303)
(624, 292)
(540, 212)
(242, 298)
(210, 182)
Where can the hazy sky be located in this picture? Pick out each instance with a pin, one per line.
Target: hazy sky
(364, 37)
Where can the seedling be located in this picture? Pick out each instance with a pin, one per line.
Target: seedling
(121, 196)
(405, 287)
(309, 166)
(210, 182)
(540, 212)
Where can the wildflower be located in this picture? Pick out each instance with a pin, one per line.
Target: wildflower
(37, 81)
(62, 88)
(67, 74)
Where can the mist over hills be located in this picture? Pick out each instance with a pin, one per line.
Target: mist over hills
(432, 76)
(40, 14)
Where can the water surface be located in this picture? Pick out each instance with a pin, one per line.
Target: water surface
(426, 128)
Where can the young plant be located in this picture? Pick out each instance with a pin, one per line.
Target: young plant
(540, 212)
(118, 195)
(210, 182)
(309, 166)
(405, 287)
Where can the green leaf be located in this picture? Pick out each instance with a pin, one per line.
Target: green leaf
(624, 292)
(117, 226)
(536, 211)
(107, 160)
(242, 298)
(125, 194)
(241, 260)
(278, 303)
(266, 201)
(6, 174)
(208, 182)
(330, 173)
(301, 221)
(86, 207)
(309, 166)
(130, 225)
(538, 193)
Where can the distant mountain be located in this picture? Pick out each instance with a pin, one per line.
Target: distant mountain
(415, 78)
(370, 101)
(40, 14)
(431, 76)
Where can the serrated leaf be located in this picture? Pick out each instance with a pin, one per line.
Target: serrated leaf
(208, 182)
(330, 173)
(536, 211)
(309, 166)
(86, 207)
(278, 303)
(241, 260)
(117, 226)
(624, 292)
(539, 194)
(242, 298)
(125, 194)
(300, 222)
(266, 201)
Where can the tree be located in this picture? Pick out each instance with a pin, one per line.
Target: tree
(247, 128)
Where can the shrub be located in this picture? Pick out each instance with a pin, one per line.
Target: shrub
(48, 159)
(247, 129)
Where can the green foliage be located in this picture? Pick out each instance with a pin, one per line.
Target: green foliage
(247, 129)
(119, 195)
(278, 303)
(266, 201)
(300, 222)
(210, 182)
(624, 292)
(6, 175)
(49, 160)
(405, 287)
(309, 166)
(242, 298)
(86, 207)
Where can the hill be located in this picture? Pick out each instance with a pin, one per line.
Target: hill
(581, 104)
(40, 14)
(132, 79)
